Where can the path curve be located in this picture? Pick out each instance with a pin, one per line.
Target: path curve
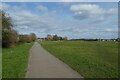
(44, 65)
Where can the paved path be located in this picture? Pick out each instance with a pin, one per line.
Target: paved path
(44, 65)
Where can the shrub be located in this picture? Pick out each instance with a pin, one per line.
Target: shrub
(9, 38)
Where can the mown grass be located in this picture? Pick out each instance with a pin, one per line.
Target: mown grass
(15, 61)
(90, 59)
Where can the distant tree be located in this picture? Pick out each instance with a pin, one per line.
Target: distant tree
(25, 38)
(55, 37)
(60, 38)
(33, 36)
(65, 38)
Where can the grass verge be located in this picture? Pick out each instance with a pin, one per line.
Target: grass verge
(15, 61)
(0, 62)
(90, 59)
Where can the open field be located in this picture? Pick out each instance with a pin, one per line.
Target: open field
(15, 61)
(90, 59)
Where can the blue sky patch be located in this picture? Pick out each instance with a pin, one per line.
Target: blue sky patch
(75, 20)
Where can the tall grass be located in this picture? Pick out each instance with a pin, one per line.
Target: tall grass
(0, 62)
(15, 61)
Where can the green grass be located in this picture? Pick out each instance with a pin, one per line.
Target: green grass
(15, 61)
(90, 59)
(0, 62)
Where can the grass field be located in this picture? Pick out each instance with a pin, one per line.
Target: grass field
(90, 59)
(15, 61)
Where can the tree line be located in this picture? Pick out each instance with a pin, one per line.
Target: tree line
(55, 37)
(10, 37)
(117, 39)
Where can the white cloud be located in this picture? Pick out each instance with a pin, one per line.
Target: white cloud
(27, 22)
(83, 7)
(88, 0)
(111, 30)
(51, 22)
(42, 8)
(112, 11)
(88, 11)
(4, 6)
(60, 0)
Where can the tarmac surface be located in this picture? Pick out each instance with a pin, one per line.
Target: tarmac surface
(44, 65)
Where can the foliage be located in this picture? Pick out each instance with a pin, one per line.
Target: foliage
(27, 38)
(6, 21)
(9, 36)
(33, 36)
(65, 38)
(55, 37)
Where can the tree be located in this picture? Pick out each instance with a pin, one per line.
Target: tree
(60, 38)
(33, 36)
(9, 36)
(55, 37)
(6, 21)
(25, 38)
(65, 38)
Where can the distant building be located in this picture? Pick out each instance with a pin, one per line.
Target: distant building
(49, 37)
(41, 39)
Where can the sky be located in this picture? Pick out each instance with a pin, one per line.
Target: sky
(71, 19)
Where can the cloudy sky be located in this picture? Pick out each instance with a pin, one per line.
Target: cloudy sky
(71, 19)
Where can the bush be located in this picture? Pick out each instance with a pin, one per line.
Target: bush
(9, 38)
